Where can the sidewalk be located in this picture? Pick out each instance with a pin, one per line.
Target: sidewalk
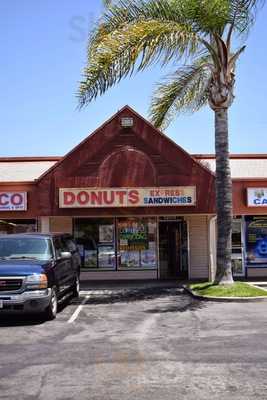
(262, 284)
(132, 285)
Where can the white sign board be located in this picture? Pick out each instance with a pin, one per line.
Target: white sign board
(127, 197)
(257, 197)
(13, 201)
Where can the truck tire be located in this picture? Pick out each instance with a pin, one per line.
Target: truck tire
(76, 287)
(51, 310)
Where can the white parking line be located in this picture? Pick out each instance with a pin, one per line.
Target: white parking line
(96, 292)
(78, 310)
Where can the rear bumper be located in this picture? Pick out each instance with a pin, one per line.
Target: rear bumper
(27, 302)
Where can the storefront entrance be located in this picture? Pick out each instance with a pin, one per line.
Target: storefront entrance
(173, 249)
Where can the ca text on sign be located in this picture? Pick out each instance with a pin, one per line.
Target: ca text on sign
(257, 197)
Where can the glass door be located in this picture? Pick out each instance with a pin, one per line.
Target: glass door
(173, 249)
(237, 248)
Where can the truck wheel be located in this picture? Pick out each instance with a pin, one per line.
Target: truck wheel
(76, 287)
(51, 311)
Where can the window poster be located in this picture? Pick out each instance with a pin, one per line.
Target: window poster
(130, 259)
(256, 240)
(106, 257)
(237, 265)
(133, 235)
(105, 233)
(90, 258)
(148, 258)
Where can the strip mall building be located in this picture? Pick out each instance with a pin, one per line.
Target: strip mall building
(139, 206)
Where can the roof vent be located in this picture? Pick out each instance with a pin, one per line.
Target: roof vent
(127, 122)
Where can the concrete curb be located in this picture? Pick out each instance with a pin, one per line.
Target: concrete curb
(224, 299)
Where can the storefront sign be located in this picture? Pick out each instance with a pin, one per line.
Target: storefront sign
(257, 197)
(127, 197)
(13, 201)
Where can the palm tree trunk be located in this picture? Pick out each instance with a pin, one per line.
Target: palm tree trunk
(223, 198)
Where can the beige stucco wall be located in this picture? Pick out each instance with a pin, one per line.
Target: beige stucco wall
(55, 224)
(199, 247)
(123, 275)
(44, 224)
(212, 229)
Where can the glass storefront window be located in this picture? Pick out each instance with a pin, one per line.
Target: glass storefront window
(256, 241)
(17, 226)
(137, 247)
(236, 234)
(95, 238)
(237, 250)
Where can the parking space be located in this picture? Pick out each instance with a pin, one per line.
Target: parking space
(137, 344)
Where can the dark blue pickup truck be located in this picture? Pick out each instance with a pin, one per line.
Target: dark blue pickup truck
(36, 271)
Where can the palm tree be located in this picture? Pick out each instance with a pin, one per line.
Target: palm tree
(197, 37)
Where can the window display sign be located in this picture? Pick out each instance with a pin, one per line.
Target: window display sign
(256, 240)
(130, 259)
(133, 235)
(257, 197)
(106, 257)
(90, 258)
(127, 197)
(148, 258)
(137, 243)
(106, 233)
(13, 201)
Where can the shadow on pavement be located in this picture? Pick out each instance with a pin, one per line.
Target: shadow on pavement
(180, 301)
(181, 307)
(130, 295)
(17, 319)
(8, 320)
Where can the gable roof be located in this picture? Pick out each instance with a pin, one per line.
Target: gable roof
(122, 112)
(30, 169)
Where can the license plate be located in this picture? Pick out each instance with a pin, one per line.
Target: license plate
(1, 304)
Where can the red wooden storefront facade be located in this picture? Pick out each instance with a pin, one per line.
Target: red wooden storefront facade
(139, 206)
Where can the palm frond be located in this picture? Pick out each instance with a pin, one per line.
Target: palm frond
(133, 34)
(125, 12)
(186, 90)
(133, 47)
(107, 3)
(202, 15)
(243, 13)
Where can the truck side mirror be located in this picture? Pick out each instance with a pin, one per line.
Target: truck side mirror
(65, 255)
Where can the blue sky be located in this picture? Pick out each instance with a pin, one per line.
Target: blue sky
(43, 50)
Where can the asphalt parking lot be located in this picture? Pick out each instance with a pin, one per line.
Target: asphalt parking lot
(137, 344)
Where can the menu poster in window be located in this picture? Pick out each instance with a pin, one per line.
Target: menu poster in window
(90, 258)
(105, 233)
(130, 259)
(148, 258)
(106, 257)
(237, 265)
(256, 240)
(135, 235)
